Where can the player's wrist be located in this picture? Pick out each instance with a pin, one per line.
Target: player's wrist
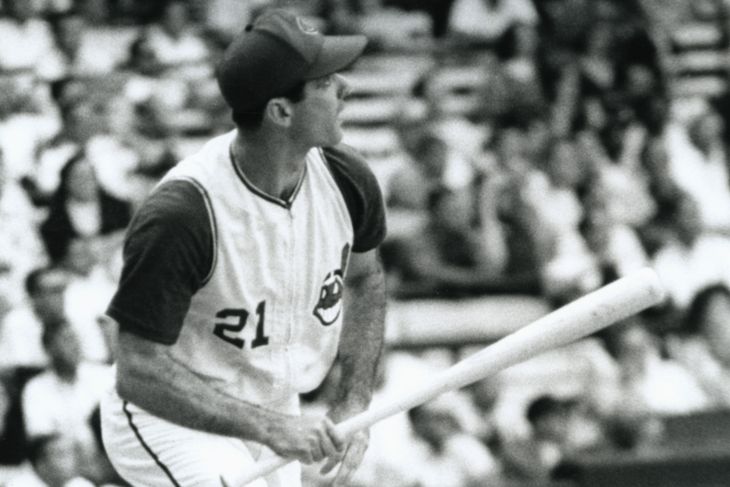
(346, 407)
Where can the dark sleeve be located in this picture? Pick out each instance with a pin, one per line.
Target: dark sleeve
(362, 195)
(56, 233)
(168, 254)
(115, 213)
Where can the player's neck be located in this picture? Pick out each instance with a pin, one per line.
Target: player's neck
(271, 164)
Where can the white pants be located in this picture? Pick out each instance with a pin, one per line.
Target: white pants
(150, 452)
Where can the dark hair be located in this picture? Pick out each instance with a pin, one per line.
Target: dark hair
(416, 413)
(57, 231)
(37, 447)
(541, 407)
(692, 322)
(251, 119)
(61, 194)
(51, 330)
(55, 19)
(33, 279)
(436, 196)
(426, 142)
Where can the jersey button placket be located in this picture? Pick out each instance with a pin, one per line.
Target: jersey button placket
(290, 292)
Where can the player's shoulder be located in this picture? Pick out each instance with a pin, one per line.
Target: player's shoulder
(344, 161)
(176, 199)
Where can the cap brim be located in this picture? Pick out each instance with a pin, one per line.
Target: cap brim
(337, 53)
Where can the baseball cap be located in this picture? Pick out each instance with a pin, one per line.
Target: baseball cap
(275, 53)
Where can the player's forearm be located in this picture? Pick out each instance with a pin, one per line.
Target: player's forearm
(160, 385)
(361, 342)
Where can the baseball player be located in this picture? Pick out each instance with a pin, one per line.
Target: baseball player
(247, 271)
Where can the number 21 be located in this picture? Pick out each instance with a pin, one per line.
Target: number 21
(229, 332)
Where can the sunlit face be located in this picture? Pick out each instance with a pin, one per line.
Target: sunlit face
(315, 119)
(59, 463)
(454, 211)
(70, 33)
(716, 325)
(553, 426)
(64, 350)
(47, 300)
(82, 181)
(175, 18)
(527, 39)
(564, 166)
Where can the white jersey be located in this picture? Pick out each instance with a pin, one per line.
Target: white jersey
(267, 321)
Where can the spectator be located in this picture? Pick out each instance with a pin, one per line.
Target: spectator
(444, 455)
(20, 335)
(698, 164)
(529, 239)
(650, 384)
(485, 21)
(164, 104)
(571, 269)
(385, 24)
(26, 38)
(483, 397)
(702, 344)
(146, 82)
(228, 16)
(24, 121)
(464, 129)
(558, 429)
(618, 173)
(21, 329)
(615, 245)
(92, 265)
(20, 245)
(518, 50)
(689, 260)
(80, 207)
(175, 43)
(451, 255)
(54, 464)
(74, 53)
(80, 121)
(61, 400)
(432, 164)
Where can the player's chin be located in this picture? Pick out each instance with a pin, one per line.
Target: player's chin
(335, 135)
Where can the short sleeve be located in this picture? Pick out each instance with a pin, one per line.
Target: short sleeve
(362, 195)
(168, 255)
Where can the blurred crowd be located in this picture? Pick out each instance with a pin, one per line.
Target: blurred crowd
(574, 165)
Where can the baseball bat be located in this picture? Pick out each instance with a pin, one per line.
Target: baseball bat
(577, 319)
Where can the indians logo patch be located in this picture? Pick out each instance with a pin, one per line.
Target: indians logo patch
(329, 304)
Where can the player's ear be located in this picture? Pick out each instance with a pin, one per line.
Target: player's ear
(279, 111)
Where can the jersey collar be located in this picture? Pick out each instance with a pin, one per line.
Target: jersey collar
(271, 199)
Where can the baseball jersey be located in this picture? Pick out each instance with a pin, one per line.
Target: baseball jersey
(246, 289)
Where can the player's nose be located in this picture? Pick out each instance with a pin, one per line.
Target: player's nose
(343, 86)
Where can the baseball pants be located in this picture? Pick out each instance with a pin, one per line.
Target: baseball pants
(150, 452)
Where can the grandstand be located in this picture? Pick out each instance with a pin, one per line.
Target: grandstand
(524, 165)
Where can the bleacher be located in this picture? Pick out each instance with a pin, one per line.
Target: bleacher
(387, 93)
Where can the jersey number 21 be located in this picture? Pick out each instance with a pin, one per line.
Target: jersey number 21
(229, 332)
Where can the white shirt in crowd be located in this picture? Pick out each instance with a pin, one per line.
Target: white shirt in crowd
(52, 406)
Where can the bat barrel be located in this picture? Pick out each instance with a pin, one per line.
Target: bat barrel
(582, 317)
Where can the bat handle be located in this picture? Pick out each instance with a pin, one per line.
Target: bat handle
(260, 469)
(268, 465)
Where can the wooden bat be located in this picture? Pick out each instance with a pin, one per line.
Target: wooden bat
(584, 316)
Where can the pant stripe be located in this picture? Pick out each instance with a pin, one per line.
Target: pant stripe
(146, 446)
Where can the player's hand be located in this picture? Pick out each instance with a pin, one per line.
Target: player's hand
(307, 439)
(350, 459)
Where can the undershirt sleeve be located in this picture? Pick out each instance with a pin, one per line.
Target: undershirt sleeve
(362, 195)
(168, 253)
